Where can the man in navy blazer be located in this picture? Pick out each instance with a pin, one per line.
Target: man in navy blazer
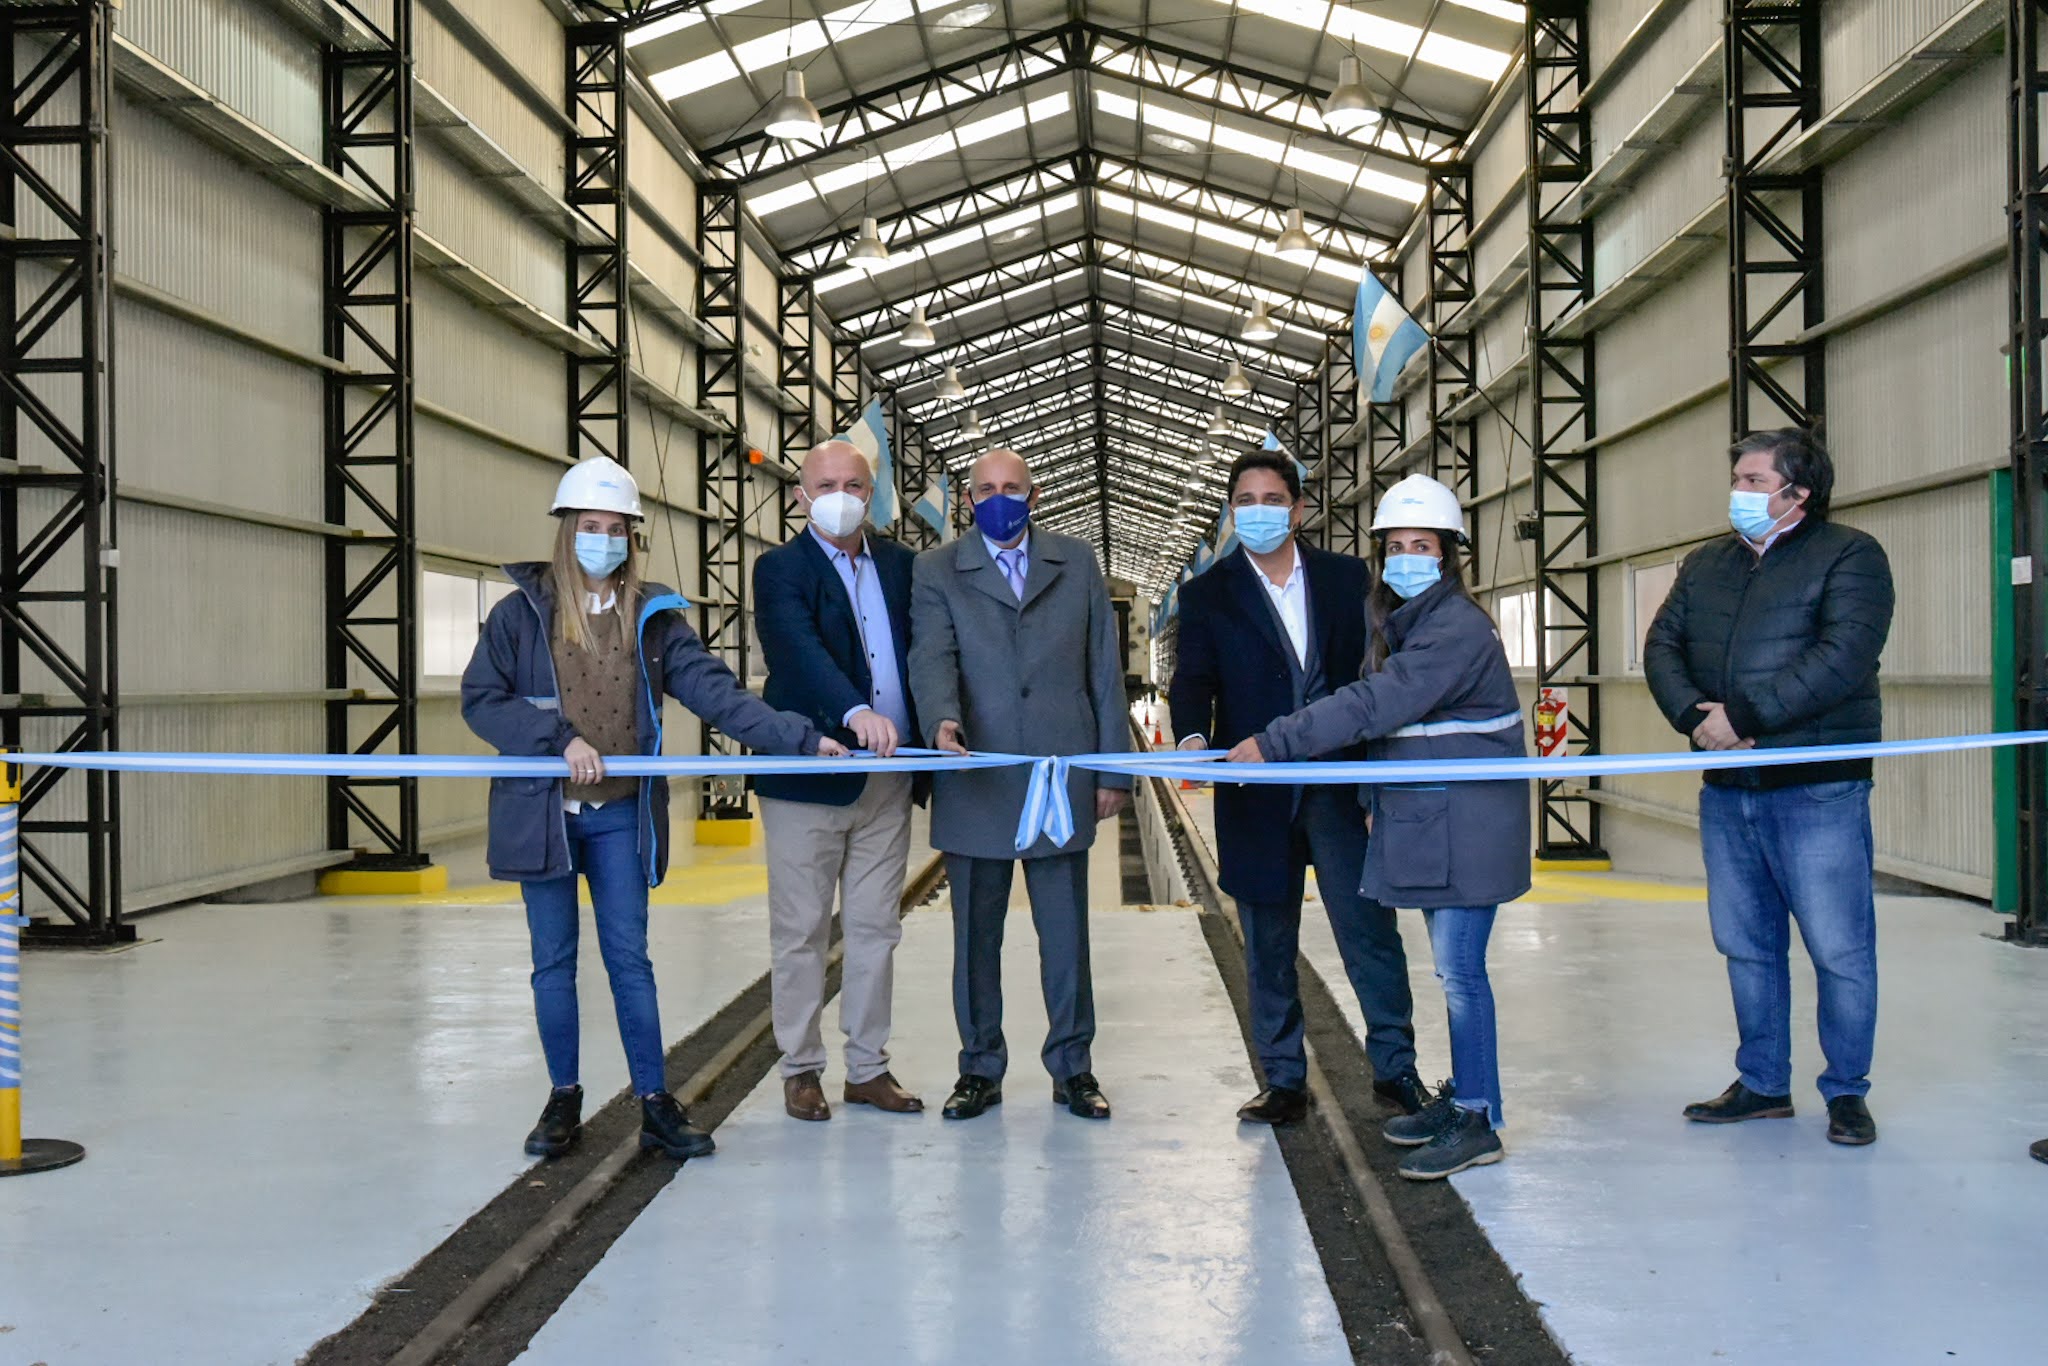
(1267, 629)
(833, 610)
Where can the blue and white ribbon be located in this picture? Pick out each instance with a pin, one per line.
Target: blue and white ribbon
(1048, 810)
(11, 922)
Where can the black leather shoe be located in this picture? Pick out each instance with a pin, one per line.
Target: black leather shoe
(1736, 1104)
(1849, 1122)
(1405, 1093)
(972, 1095)
(1275, 1105)
(561, 1124)
(2040, 1151)
(663, 1125)
(1082, 1095)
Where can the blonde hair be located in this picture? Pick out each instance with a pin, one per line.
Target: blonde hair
(571, 585)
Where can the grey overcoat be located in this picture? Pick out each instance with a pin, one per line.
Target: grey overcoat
(1044, 676)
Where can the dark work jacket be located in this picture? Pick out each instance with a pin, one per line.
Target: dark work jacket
(817, 664)
(1442, 844)
(1788, 642)
(1236, 672)
(510, 698)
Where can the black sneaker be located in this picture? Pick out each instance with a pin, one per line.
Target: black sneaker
(663, 1125)
(1412, 1131)
(1467, 1141)
(561, 1124)
(1405, 1092)
(1736, 1104)
(2040, 1151)
(1849, 1122)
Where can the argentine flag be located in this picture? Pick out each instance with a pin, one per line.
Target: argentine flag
(1274, 443)
(1226, 533)
(870, 436)
(1383, 338)
(933, 505)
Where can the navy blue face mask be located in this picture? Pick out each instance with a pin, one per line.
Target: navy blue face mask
(1002, 517)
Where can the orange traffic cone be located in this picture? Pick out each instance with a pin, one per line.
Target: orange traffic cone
(1157, 738)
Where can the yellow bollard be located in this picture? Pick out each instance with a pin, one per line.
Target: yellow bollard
(16, 1155)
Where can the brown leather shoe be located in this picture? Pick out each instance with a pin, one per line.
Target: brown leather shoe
(883, 1093)
(803, 1096)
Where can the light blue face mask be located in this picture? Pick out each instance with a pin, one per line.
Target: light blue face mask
(1749, 512)
(1409, 575)
(1262, 529)
(599, 555)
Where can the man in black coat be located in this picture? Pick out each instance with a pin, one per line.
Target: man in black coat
(1267, 629)
(1770, 639)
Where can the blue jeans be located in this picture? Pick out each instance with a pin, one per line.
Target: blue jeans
(1457, 940)
(1795, 853)
(604, 846)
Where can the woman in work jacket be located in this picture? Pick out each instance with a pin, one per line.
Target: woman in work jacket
(575, 664)
(1437, 687)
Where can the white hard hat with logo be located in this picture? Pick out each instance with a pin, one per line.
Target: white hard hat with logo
(1420, 503)
(599, 484)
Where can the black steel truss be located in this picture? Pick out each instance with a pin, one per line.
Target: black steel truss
(1453, 345)
(2027, 220)
(1567, 603)
(956, 208)
(1041, 265)
(722, 466)
(1343, 531)
(1050, 387)
(59, 681)
(599, 295)
(1772, 58)
(845, 397)
(796, 351)
(373, 575)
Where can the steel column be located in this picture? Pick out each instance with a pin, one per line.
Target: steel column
(373, 575)
(796, 373)
(722, 469)
(1559, 138)
(2027, 220)
(1344, 527)
(600, 300)
(1453, 348)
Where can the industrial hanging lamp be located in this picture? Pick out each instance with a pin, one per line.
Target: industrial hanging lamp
(1294, 244)
(1259, 327)
(792, 117)
(971, 427)
(949, 385)
(870, 253)
(917, 333)
(1235, 383)
(1219, 425)
(1350, 106)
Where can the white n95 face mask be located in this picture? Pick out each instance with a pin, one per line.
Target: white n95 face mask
(838, 514)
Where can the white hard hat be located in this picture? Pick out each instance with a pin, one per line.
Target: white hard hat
(599, 484)
(1422, 503)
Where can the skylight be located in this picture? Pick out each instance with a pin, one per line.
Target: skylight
(1344, 172)
(1213, 232)
(784, 45)
(1363, 28)
(960, 237)
(965, 135)
(1135, 260)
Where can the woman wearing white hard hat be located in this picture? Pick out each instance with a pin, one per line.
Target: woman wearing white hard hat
(1437, 687)
(575, 664)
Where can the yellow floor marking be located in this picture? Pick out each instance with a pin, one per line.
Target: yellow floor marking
(1609, 887)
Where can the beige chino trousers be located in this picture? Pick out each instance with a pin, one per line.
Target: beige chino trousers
(860, 852)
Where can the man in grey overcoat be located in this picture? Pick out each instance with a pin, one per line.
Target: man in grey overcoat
(1014, 649)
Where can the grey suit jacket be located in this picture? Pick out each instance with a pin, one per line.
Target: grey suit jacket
(1043, 676)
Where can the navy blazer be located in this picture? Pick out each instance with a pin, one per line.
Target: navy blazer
(1231, 680)
(817, 665)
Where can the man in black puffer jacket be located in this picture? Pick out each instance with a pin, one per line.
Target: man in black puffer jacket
(1770, 639)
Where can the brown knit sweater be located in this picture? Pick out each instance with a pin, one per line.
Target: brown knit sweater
(597, 681)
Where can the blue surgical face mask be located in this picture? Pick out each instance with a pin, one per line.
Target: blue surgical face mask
(1749, 512)
(1002, 517)
(599, 555)
(1409, 575)
(1262, 529)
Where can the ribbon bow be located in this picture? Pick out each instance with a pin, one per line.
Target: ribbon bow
(1047, 809)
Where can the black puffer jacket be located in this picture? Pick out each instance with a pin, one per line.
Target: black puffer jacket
(1787, 641)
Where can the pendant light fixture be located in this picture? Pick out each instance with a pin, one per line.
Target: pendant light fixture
(971, 427)
(917, 333)
(949, 386)
(1350, 106)
(792, 117)
(1294, 244)
(1259, 327)
(1236, 384)
(1219, 425)
(870, 253)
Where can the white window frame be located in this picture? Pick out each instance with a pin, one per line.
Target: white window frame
(1638, 620)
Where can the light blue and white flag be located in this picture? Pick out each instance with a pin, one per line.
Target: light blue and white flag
(1274, 443)
(935, 505)
(1226, 533)
(1383, 338)
(870, 436)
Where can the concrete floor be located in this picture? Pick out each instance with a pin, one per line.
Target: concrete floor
(1646, 1239)
(285, 1106)
(1168, 1234)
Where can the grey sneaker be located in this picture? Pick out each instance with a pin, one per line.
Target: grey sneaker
(1467, 1141)
(1412, 1131)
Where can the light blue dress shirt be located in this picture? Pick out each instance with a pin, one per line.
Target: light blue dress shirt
(1022, 549)
(871, 612)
